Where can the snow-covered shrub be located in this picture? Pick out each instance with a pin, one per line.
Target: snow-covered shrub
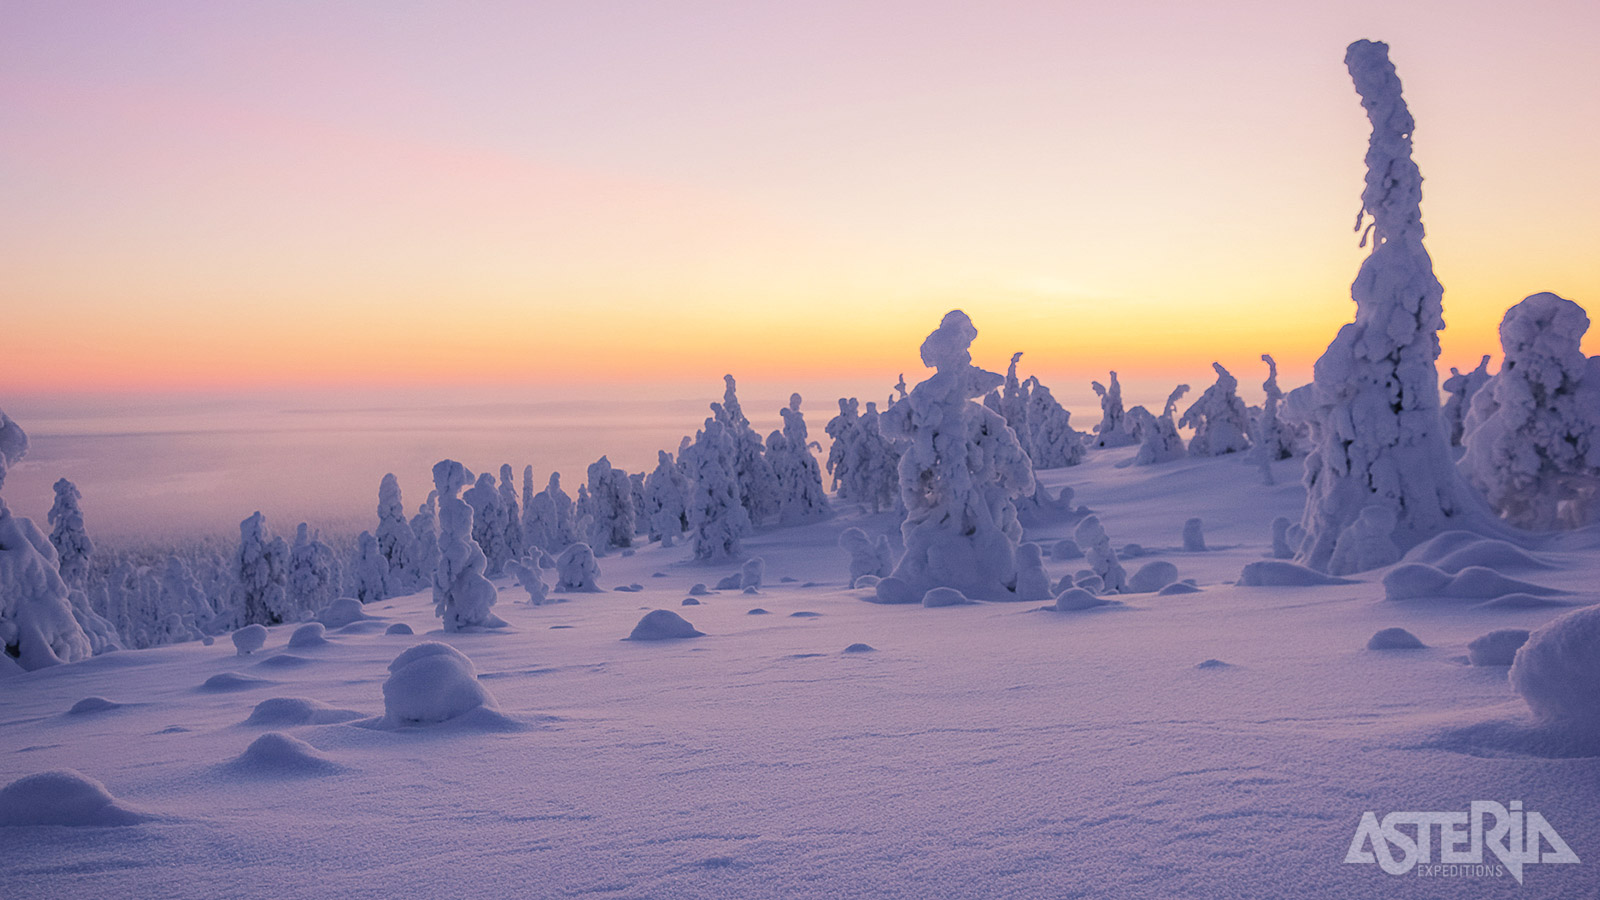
(752, 572)
(867, 556)
(1114, 430)
(1033, 583)
(960, 471)
(313, 576)
(249, 639)
(1533, 431)
(1102, 558)
(548, 522)
(432, 682)
(68, 535)
(370, 570)
(801, 497)
(261, 567)
(1461, 386)
(1055, 442)
(396, 541)
(1159, 440)
(576, 569)
(1558, 670)
(462, 596)
(1220, 421)
(490, 521)
(531, 579)
(1194, 536)
(717, 519)
(611, 504)
(1373, 407)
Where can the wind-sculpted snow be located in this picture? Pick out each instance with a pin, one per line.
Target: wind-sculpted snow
(1394, 639)
(1497, 648)
(1275, 573)
(431, 683)
(278, 755)
(1414, 581)
(1558, 671)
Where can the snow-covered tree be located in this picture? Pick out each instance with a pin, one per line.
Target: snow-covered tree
(180, 590)
(961, 469)
(37, 625)
(1272, 437)
(799, 477)
(1055, 442)
(1091, 537)
(666, 494)
(758, 485)
(490, 523)
(839, 429)
(1461, 386)
(1014, 407)
(868, 556)
(516, 541)
(611, 505)
(550, 522)
(370, 570)
(717, 519)
(314, 572)
(872, 476)
(261, 568)
(576, 569)
(1159, 440)
(1114, 430)
(68, 535)
(1377, 434)
(1220, 421)
(396, 541)
(462, 596)
(425, 525)
(1532, 435)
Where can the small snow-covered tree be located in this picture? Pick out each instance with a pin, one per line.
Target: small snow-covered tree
(261, 567)
(313, 577)
(961, 470)
(68, 535)
(1114, 430)
(1532, 435)
(611, 504)
(425, 525)
(1014, 408)
(462, 596)
(490, 521)
(516, 541)
(1055, 442)
(370, 569)
(717, 519)
(799, 476)
(1273, 438)
(758, 485)
(552, 522)
(1373, 406)
(1220, 421)
(1461, 386)
(666, 493)
(1159, 440)
(396, 541)
(840, 429)
(180, 590)
(873, 474)
(37, 625)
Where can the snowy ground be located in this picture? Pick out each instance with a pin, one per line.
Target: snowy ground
(991, 750)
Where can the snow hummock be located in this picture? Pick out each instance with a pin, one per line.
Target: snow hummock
(1394, 639)
(1497, 648)
(308, 636)
(429, 683)
(1276, 573)
(275, 754)
(342, 611)
(663, 625)
(1413, 581)
(1152, 577)
(249, 639)
(279, 711)
(63, 797)
(1558, 671)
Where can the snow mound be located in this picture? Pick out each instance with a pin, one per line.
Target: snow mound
(341, 612)
(1213, 664)
(1177, 587)
(663, 625)
(1558, 671)
(866, 581)
(311, 634)
(698, 589)
(279, 754)
(860, 648)
(1075, 599)
(1066, 549)
(228, 682)
(1413, 581)
(93, 705)
(1497, 648)
(1522, 601)
(430, 683)
(399, 628)
(284, 661)
(758, 611)
(944, 596)
(298, 711)
(1394, 639)
(249, 639)
(894, 590)
(1152, 577)
(1490, 554)
(62, 797)
(690, 601)
(1278, 573)
(805, 614)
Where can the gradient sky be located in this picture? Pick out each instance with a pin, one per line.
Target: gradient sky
(253, 194)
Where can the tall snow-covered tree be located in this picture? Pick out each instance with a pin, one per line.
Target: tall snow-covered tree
(1114, 429)
(1014, 407)
(758, 486)
(1272, 437)
(462, 596)
(1532, 435)
(872, 473)
(516, 541)
(961, 470)
(1220, 421)
(490, 521)
(717, 520)
(370, 569)
(1055, 442)
(261, 568)
(611, 502)
(314, 573)
(425, 525)
(1461, 386)
(840, 429)
(396, 541)
(68, 535)
(799, 476)
(666, 492)
(1378, 437)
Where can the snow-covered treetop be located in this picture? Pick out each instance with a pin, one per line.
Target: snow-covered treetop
(13, 444)
(948, 350)
(1393, 195)
(450, 476)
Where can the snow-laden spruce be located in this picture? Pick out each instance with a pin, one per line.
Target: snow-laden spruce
(840, 429)
(717, 520)
(516, 540)
(425, 525)
(261, 568)
(37, 625)
(370, 571)
(1532, 434)
(1220, 421)
(1055, 442)
(873, 473)
(490, 523)
(1114, 429)
(69, 536)
(611, 505)
(960, 471)
(1461, 386)
(1378, 438)
(758, 485)
(801, 497)
(666, 500)
(313, 579)
(1159, 440)
(1271, 437)
(1014, 408)
(396, 541)
(462, 596)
